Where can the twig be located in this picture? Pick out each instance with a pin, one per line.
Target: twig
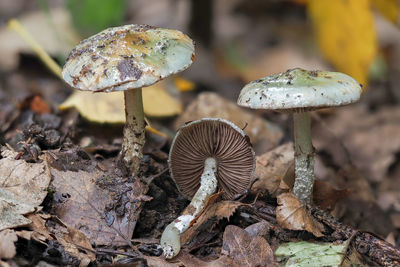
(365, 243)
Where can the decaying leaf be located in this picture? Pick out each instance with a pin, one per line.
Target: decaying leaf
(291, 214)
(87, 203)
(73, 241)
(245, 250)
(346, 34)
(7, 247)
(310, 254)
(264, 135)
(275, 170)
(212, 215)
(23, 186)
(109, 107)
(239, 249)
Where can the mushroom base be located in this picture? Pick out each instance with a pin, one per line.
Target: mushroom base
(170, 239)
(304, 157)
(134, 134)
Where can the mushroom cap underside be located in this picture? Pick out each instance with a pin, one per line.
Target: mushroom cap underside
(217, 138)
(127, 57)
(300, 90)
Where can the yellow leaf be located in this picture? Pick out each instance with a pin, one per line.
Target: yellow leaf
(346, 34)
(157, 102)
(109, 107)
(388, 8)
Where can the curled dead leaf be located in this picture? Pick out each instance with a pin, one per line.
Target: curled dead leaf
(292, 214)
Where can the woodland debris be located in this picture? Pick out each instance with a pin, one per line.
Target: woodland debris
(292, 214)
(23, 187)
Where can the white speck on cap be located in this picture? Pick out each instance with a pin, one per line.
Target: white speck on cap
(127, 57)
(300, 90)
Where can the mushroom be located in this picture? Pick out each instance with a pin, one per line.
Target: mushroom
(127, 58)
(299, 91)
(205, 155)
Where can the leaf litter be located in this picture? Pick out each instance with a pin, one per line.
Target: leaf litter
(23, 187)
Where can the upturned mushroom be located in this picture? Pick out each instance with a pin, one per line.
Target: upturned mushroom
(299, 91)
(128, 58)
(205, 155)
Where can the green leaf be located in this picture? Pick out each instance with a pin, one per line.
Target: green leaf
(92, 16)
(310, 254)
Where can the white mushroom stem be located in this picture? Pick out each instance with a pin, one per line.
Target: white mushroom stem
(134, 136)
(170, 239)
(304, 157)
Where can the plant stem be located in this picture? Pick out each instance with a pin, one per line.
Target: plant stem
(304, 157)
(170, 239)
(134, 137)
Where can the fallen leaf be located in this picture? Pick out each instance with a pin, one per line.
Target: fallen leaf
(310, 254)
(346, 34)
(258, 229)
(291, 214)
(210, 216)
(87, 203)
(12, 209)
(388, 8)
(110, 107)
(264, 135)
(23, 187)
(245, 250)
(274, 168)
(38, 227)
(158, 100)
(7, 248)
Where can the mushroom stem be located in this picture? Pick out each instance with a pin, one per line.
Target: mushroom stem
(134, 137)
(170, 239)
(304, 157)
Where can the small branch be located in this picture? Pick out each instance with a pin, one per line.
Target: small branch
(365, 243)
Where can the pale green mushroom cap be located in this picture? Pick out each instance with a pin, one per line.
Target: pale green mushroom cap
(127, 57)
(300, 90)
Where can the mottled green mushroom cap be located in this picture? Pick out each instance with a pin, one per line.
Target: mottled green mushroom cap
(127, 57)
(300, 90)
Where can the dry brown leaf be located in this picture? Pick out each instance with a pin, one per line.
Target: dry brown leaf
(213, 213)
(291, 214)
(245, 250)
(23, 186)
(263, 134)
(84, 205)
(7, 247)
(258, 229)
(272, 167)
